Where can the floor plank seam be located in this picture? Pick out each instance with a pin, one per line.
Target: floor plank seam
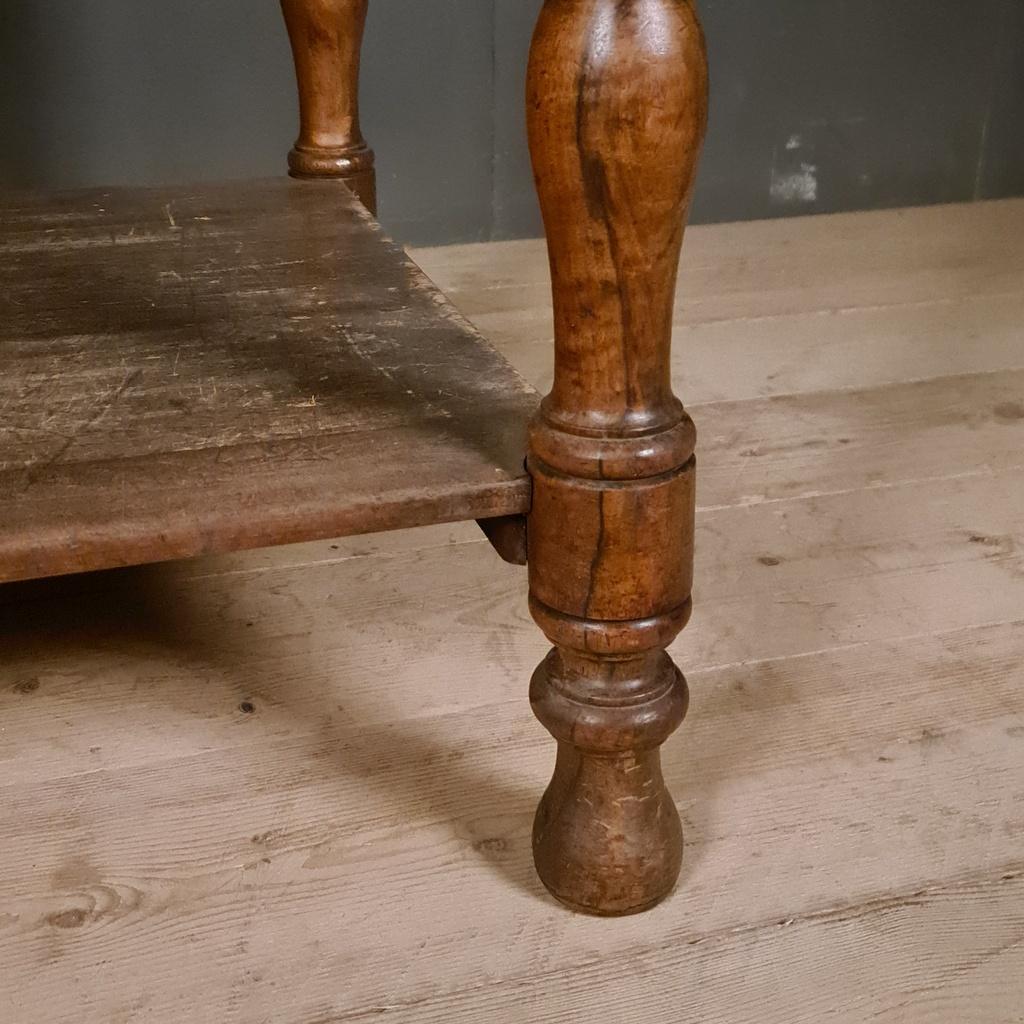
(985, 472)
(694, 673)
(512, 703)
(892, 385)
(917, 896)
(877, 485)
(755, 318)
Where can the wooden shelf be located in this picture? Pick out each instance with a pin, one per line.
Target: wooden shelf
(233, 366)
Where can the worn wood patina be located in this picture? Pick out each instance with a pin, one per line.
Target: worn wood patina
(618, 110)
(199, 370)
(238, 365)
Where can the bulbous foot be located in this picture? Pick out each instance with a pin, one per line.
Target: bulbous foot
(607, 838)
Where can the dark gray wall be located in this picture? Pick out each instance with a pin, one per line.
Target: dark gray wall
(817, 105)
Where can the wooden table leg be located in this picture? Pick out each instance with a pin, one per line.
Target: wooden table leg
(326, 38)
(617, 114)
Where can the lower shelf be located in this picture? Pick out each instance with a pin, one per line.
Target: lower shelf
(233, 366)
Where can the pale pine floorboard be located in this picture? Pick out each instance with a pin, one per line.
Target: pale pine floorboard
(295, 786)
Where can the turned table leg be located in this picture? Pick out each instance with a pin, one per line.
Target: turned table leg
(326, 38)
(617, 113)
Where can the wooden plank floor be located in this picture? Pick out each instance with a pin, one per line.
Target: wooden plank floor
(295, 786)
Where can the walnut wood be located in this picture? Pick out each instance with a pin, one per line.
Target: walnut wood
(617, 113)
(201, 370)
(232, 366)
(326, 38)
(507, 535)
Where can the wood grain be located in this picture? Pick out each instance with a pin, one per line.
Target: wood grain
(238, 365)
(617, 99)
(851, 774)
(348, 817)
(734, 271)
(327, 39)
(929, 292)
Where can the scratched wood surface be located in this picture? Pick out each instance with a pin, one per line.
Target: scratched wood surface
(296, 785)
(187, 371)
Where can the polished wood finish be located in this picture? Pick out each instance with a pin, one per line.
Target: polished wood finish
(233, 366)
(617, 113)
(326, 38)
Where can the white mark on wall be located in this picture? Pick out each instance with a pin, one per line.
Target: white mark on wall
(796, 186)
(794, 171)
(800, 186)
